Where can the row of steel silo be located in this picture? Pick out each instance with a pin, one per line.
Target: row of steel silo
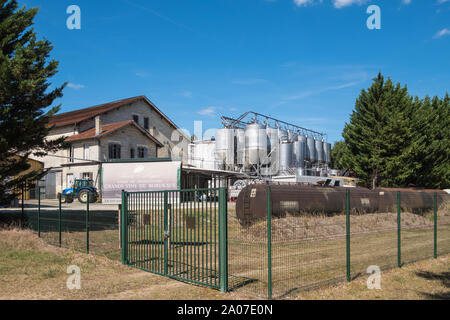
(275, 148)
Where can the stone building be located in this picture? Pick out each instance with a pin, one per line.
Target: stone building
(132, 128)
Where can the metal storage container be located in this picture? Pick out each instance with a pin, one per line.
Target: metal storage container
(282, 135)
(240, 146)
(311, 149)
(327, 152)
(299, 154)
(255, 144)
(225, 146)
(273, 148)
(286, 155)
(319, 151)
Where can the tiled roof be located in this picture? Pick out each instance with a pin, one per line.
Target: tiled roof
(77, 116)
(110, 128)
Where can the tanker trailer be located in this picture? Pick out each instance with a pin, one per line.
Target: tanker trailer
(251, 205)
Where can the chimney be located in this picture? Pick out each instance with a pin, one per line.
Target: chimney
(98, 125)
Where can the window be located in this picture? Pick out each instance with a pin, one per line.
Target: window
(142, 152)
(132, 153)
(146, 125)
(71, 154)
(87, 175)
(114, 151)
(136, 118)
(86, 152)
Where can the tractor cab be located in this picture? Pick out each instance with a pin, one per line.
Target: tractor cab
(81, 189)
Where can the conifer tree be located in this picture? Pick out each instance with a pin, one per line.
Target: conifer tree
(25, 94)
(377, 137)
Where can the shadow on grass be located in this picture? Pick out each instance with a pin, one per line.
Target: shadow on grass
(444, 277)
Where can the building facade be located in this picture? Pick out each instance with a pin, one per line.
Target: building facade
(132, 128)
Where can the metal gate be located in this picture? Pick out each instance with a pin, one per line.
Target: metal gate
(181, 234)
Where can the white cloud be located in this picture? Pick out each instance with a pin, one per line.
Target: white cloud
(339, 3)
(75, 86)
(406, 2)
(210, 111)
(303, 2)
(442, 1)
(344, 3)
(443, 32)
(307, 93)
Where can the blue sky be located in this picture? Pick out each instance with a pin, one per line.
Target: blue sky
(303, 61)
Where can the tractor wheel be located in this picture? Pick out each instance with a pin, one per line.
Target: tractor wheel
(92, 198)
(82, 196)
(69, 198)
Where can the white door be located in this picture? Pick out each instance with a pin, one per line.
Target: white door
(70, 180)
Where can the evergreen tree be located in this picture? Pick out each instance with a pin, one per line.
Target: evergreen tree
(431, 142)
(378, 135)
(337, 155)
(24, 94)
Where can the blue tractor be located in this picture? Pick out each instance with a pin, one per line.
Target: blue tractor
(80, 189)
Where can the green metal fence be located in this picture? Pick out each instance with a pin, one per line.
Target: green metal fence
(281, 257)
(181, 234)
(81, 227)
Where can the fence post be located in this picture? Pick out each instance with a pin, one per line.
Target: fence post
(435, 224)
(59, 218)
(347, 228)
(269, 243)
(87, 223)
(166, 249)
(39, 212)
(399, 231)
(23, 206)
(223, 239)
(123, 227)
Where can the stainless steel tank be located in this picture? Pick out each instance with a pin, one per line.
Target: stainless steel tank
(311, 149)
(273, 149)
(282, 135)
(286, 155)
(255, 144)
(225, 146)
(291, 135)
(319, 151)
(240, 146)
(327, 152)
(299, 154)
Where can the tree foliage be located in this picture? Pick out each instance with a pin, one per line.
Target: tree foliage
(337, 155)
(25, 94)
(395, 140)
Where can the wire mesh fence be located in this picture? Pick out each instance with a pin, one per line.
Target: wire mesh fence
(176, 234)
(85, 230)
(247, 256)
(284, 254)
(181, 234)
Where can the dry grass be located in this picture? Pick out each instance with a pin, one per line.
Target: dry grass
(310, 251)
(32, 269)
(296, 227)
(429, 279)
